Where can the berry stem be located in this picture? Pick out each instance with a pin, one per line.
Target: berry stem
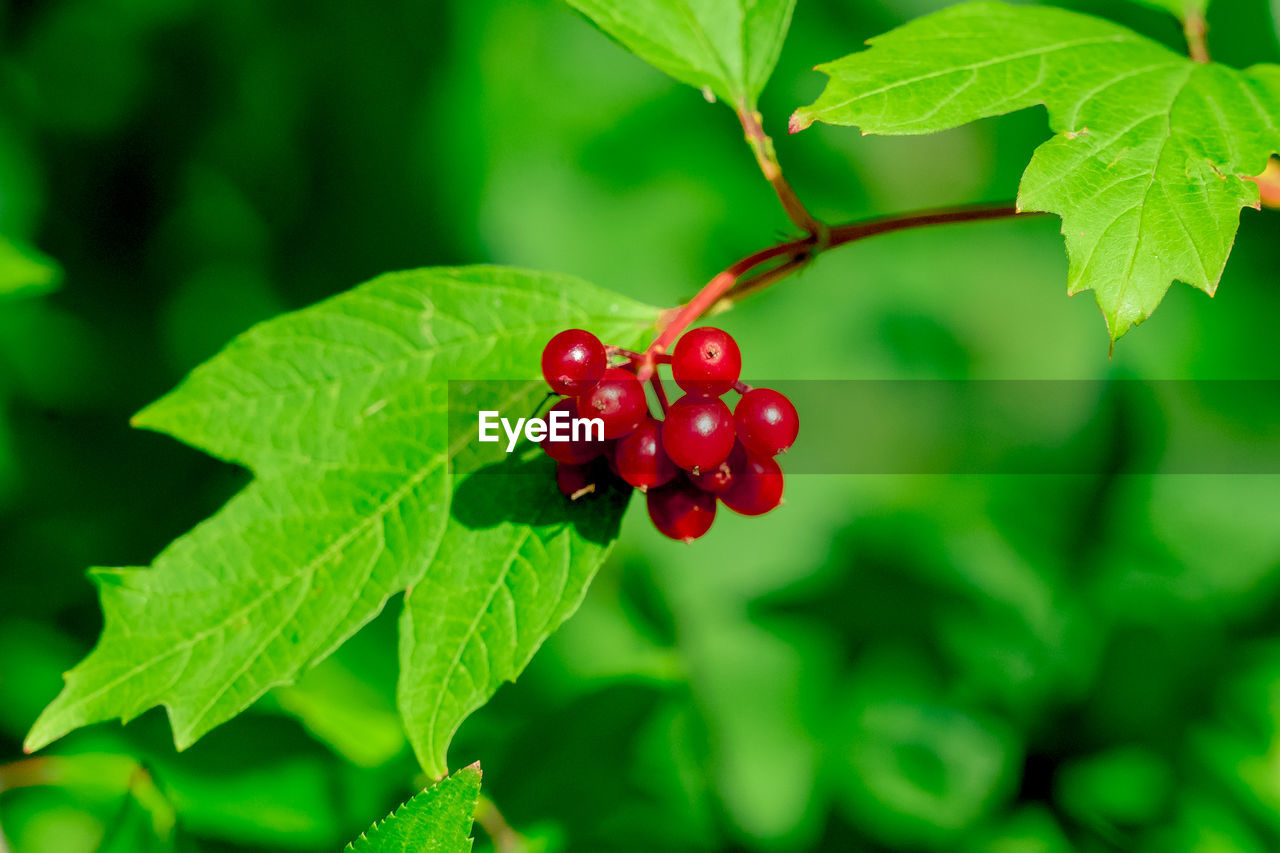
(741, 387)
(537, 410)
(759, 281)
(732, 284)
(695, 307)
(767, 159)
(661, 393)
(635, 357)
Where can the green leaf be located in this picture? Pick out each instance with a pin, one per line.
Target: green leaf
(436, 821)
(341, 411)
(1181, 9)
(514, 564)
(24, 270)
(726, 46)
(1148, 166)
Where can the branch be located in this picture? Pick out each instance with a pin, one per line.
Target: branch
(504, 838)
(27, 772)
(842, 234)
(1195, 29)
(733, 284)
(758, 282)
(708, 296)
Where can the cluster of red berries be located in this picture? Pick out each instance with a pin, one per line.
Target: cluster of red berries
(699, 453)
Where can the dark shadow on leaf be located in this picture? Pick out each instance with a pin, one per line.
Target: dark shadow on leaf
(521, 489)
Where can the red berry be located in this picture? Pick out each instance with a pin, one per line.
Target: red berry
(618, 400)
(571, 452)
(640, 459)
(756, 487)
(573, 362)
(681, 510)
(706, 361)
(717, 479)
(698, 434)
(766, 422)
(578, 481)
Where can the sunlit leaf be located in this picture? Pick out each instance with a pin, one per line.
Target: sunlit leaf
(728, 47)
(341, 411)
(436, 821)
(1150, 165)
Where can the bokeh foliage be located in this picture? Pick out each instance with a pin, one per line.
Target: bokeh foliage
(950, 663)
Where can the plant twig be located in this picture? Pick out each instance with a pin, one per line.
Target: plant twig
(767, 159)
(504, 838)
(1195, 29)
(755, 283)
(707, 297)
(733, 283)
(842, 234)
(26, 772)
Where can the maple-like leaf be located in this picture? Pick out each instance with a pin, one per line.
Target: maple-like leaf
(1150, 163)
(342, 411)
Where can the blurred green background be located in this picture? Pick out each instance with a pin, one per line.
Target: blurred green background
(1017, 664)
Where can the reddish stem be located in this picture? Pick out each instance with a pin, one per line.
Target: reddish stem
(656, 381)
(842, 234)
(634, 357)
(707, 297)
(731, 286)
(760, 281)
(26, 772)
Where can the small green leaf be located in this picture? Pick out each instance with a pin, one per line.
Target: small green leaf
(341, 411)
(1149, 166)
(436, 821)
(726, 46)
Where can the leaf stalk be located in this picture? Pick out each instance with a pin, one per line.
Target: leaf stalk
(1196, 31)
